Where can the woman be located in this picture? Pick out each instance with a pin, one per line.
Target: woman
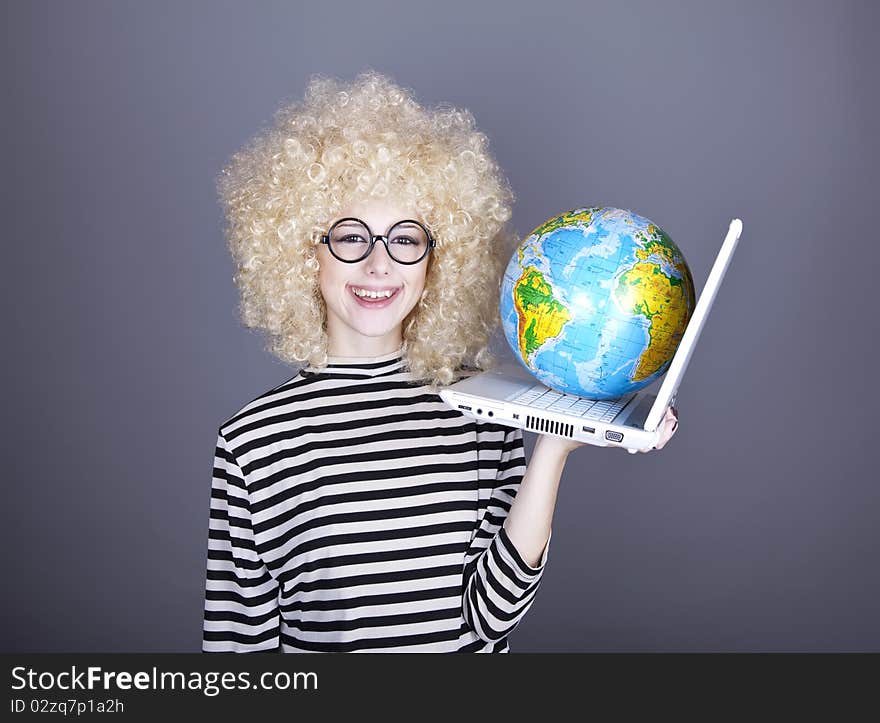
(351, 509)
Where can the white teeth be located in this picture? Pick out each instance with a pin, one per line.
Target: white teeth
(372, 294)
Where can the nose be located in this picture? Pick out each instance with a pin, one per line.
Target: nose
(379, 262)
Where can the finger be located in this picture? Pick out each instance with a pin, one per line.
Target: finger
(668, 430)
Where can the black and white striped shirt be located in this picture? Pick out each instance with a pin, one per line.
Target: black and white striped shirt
(353, 510)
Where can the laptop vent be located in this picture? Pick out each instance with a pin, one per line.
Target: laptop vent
(550, 426)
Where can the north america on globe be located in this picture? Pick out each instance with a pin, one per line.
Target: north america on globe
(595, 301)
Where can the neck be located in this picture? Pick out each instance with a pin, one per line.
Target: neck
(365, 346)
(366, 350)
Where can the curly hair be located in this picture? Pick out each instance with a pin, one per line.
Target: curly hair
(360, 140)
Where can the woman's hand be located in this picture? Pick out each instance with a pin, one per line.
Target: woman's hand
(559, 446)
(562, 446)
(670, 424)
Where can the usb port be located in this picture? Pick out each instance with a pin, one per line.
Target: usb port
(589, 430)
(462, 406)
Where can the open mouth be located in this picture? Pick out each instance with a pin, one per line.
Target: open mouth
(374, 298)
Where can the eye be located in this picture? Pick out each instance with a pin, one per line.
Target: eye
(404, 240)
(352, 238)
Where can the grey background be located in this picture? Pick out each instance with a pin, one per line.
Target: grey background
(754, 530)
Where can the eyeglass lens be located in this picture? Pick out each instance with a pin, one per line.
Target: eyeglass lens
(350, 240)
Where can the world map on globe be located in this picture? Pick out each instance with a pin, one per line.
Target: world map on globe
(595, 301)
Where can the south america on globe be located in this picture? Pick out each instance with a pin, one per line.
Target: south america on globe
(595, 301)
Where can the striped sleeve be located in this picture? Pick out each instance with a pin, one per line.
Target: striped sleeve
(241, 597)
(499, 585)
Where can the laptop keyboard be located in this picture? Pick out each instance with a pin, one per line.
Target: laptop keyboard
(540, 397)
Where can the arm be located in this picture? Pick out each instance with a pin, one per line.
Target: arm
(529, 521)
(241, 597)
(499, 585)
(505, 561)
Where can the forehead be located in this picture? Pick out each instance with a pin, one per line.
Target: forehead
(378, 214)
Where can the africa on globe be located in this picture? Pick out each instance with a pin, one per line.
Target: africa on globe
(595, 301)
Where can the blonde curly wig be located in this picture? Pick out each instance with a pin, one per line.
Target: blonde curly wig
(350, 141)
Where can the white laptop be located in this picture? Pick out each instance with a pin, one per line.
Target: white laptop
(513, 397)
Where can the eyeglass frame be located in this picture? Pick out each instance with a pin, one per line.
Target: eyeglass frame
(325, 239)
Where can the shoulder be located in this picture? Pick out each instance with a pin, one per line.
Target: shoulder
(499, 433)
(289, 390)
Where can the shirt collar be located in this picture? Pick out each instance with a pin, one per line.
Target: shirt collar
(364, 366)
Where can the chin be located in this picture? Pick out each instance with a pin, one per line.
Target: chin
(375, 330)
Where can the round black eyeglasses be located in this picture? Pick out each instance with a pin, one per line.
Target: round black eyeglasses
(350, 240)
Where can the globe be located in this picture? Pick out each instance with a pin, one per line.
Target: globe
(594, 302)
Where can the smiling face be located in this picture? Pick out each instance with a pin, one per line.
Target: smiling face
(362, 318)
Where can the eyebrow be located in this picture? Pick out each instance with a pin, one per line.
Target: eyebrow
(404, 222)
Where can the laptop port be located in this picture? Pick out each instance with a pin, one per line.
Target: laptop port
(462, 406)
(589, 430)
